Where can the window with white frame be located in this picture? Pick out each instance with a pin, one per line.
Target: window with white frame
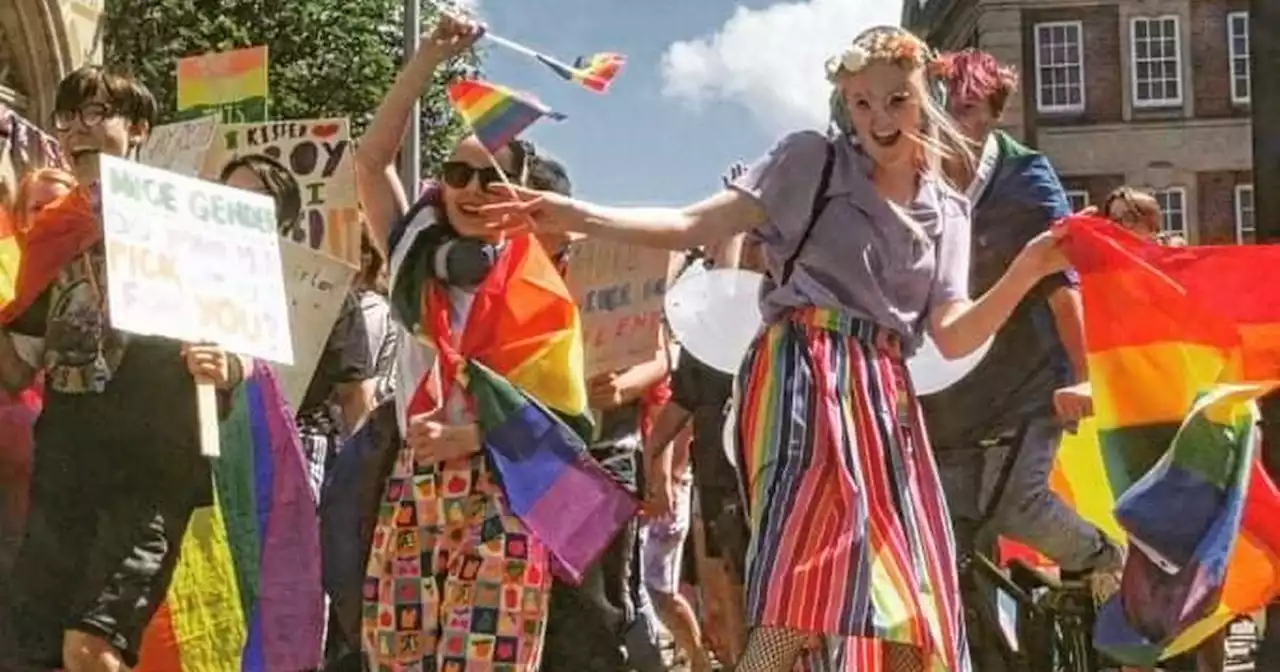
(1238, 50)
(1173, 210)
(1059, 66)
(1157, 61)
(1246, 231)
(1078, 199)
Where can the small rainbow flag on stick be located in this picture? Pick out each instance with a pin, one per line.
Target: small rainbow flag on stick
(592, 72)
(496, 114)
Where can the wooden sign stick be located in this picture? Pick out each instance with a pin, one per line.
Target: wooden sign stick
(207, 417)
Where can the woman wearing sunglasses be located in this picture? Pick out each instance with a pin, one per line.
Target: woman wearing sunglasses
(455, 580)
(1139, 212)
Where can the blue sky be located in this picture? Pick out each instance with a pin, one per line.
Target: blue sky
(707, 82)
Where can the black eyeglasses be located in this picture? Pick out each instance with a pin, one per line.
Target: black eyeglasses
(458, 174)
(91, 114)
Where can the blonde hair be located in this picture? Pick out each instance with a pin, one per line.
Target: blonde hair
(1135, 210)
(26, 195)
(941, 139)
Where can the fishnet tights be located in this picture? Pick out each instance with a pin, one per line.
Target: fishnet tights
(778, 650)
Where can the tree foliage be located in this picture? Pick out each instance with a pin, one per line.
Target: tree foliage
(327, 57)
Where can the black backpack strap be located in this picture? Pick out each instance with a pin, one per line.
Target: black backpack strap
(820, 200)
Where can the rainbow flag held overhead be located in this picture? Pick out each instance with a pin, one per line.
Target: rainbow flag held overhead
(1181, 342)
(495, 114)
(594, 72)
(246, 594)
(520, 358)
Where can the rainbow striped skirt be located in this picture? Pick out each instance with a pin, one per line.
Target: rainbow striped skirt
(850, 534)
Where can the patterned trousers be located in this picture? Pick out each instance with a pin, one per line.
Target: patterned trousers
(454, 583)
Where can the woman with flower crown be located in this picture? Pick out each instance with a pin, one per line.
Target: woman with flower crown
(851, 565)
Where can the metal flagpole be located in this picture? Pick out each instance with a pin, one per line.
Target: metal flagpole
(411, 148)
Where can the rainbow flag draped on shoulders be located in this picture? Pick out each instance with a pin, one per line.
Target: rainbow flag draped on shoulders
(520, 359)
(246, 594)
(1181, 342)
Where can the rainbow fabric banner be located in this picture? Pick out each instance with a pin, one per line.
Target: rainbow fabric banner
(1181, 341)
(231, 84)
(246, 594)
(595, 73)
(520, 356)
(495, 114)
(30, 260)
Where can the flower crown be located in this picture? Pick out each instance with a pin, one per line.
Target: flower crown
(880, 45)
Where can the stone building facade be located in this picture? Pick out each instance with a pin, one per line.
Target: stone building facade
(1150, 93)
(40, 42)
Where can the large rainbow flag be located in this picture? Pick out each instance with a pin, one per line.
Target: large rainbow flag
(246, 594)
(1181, 342)
(520, 357)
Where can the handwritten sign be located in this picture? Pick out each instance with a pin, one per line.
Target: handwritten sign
(193, 261)
(319, 154)
(180, 148)
(316, 285)
(229, 84)
(619, 292)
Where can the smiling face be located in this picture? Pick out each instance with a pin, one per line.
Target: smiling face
(463, 199)
(97, 112)
(884, 104)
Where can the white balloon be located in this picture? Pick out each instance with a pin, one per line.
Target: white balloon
(932, 373)
(715, 314)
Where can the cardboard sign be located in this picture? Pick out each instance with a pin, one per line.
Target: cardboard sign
(193, 261)
(231, 85)
(619, 291)
(320, 155)
(180, 148)
(316, 285)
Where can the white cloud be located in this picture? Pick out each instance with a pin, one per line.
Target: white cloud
(770, 60)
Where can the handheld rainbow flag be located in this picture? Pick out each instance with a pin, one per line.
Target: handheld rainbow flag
(1181, 341)
(520, 356)
(496, 114)
(246, 594)
(594, 73)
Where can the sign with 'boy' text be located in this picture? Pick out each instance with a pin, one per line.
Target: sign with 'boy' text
(320, 156)
(193, 261)
(619, 290)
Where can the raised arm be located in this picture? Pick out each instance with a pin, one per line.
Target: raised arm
(381, 193)
(778, 190)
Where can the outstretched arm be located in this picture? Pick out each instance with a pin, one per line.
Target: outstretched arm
(381, 194)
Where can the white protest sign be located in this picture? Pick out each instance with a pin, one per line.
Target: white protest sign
(316, 285)
(319, 154)
(193, 261)
(618, 289)
(180, 147)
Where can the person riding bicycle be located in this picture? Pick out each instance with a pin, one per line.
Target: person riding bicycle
(997, 431)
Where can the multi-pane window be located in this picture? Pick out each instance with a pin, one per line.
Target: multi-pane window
(1238, 50)
(1157, 62)
(1246, 231)
(1059, 66)
(1078, 199)
(1173, 210)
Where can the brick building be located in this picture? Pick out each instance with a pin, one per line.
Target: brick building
(40, 42)
(1149, 93)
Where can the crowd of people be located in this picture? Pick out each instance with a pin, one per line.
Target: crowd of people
(827, 536)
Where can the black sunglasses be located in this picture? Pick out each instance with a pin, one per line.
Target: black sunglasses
(458, 174)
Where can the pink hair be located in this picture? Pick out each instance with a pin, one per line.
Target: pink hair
(976, 75)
